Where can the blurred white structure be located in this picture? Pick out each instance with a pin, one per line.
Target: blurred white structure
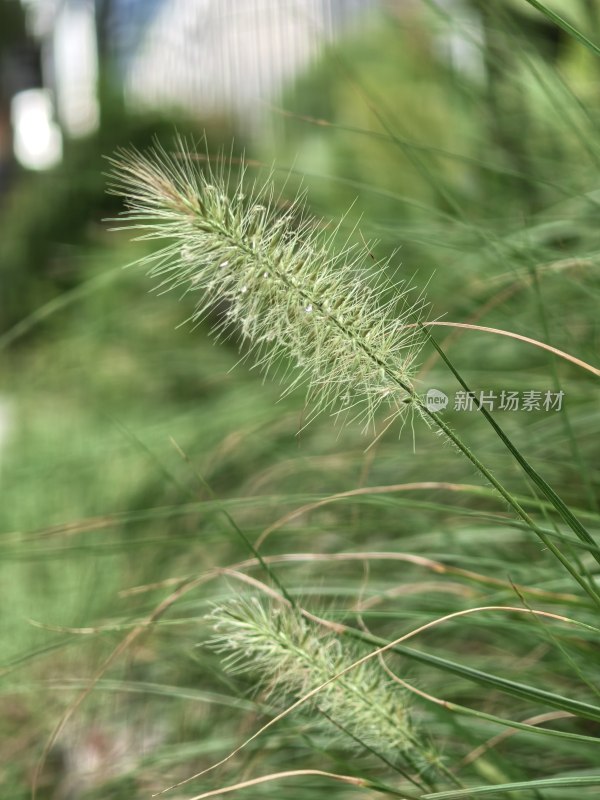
(202, 57)
(67, 33)
(461, 43)
(230, 56)
(74, 54)
(37, 139)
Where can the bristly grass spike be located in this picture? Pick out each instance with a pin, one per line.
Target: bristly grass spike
(283, 284)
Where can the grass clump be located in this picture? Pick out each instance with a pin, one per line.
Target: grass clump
(116, 538)
(282, 287)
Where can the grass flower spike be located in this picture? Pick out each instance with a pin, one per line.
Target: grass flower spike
(291, 658)
(275, 278)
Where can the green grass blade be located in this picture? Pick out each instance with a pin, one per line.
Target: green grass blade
(566, 26)
(569, 518)
(542, 783)
(520, 726)
(532, 694)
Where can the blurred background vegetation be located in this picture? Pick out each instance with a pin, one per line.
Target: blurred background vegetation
(464, 137)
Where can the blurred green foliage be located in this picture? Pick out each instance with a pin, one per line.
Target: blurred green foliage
(49, 216)
(12, 23)
(115, 416)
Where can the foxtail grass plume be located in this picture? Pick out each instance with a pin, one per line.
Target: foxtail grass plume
(289, 656)
(275, 277)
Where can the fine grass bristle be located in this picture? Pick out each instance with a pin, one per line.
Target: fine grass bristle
(276, 279)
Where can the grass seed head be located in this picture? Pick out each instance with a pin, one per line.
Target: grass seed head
(279, 280)
(290, 657)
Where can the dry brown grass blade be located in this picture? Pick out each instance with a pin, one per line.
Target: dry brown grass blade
(275, 776)
(362, 490)
(410, 558)
(515, 286)
(538, 719)
(494, 740)
(527, 339)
